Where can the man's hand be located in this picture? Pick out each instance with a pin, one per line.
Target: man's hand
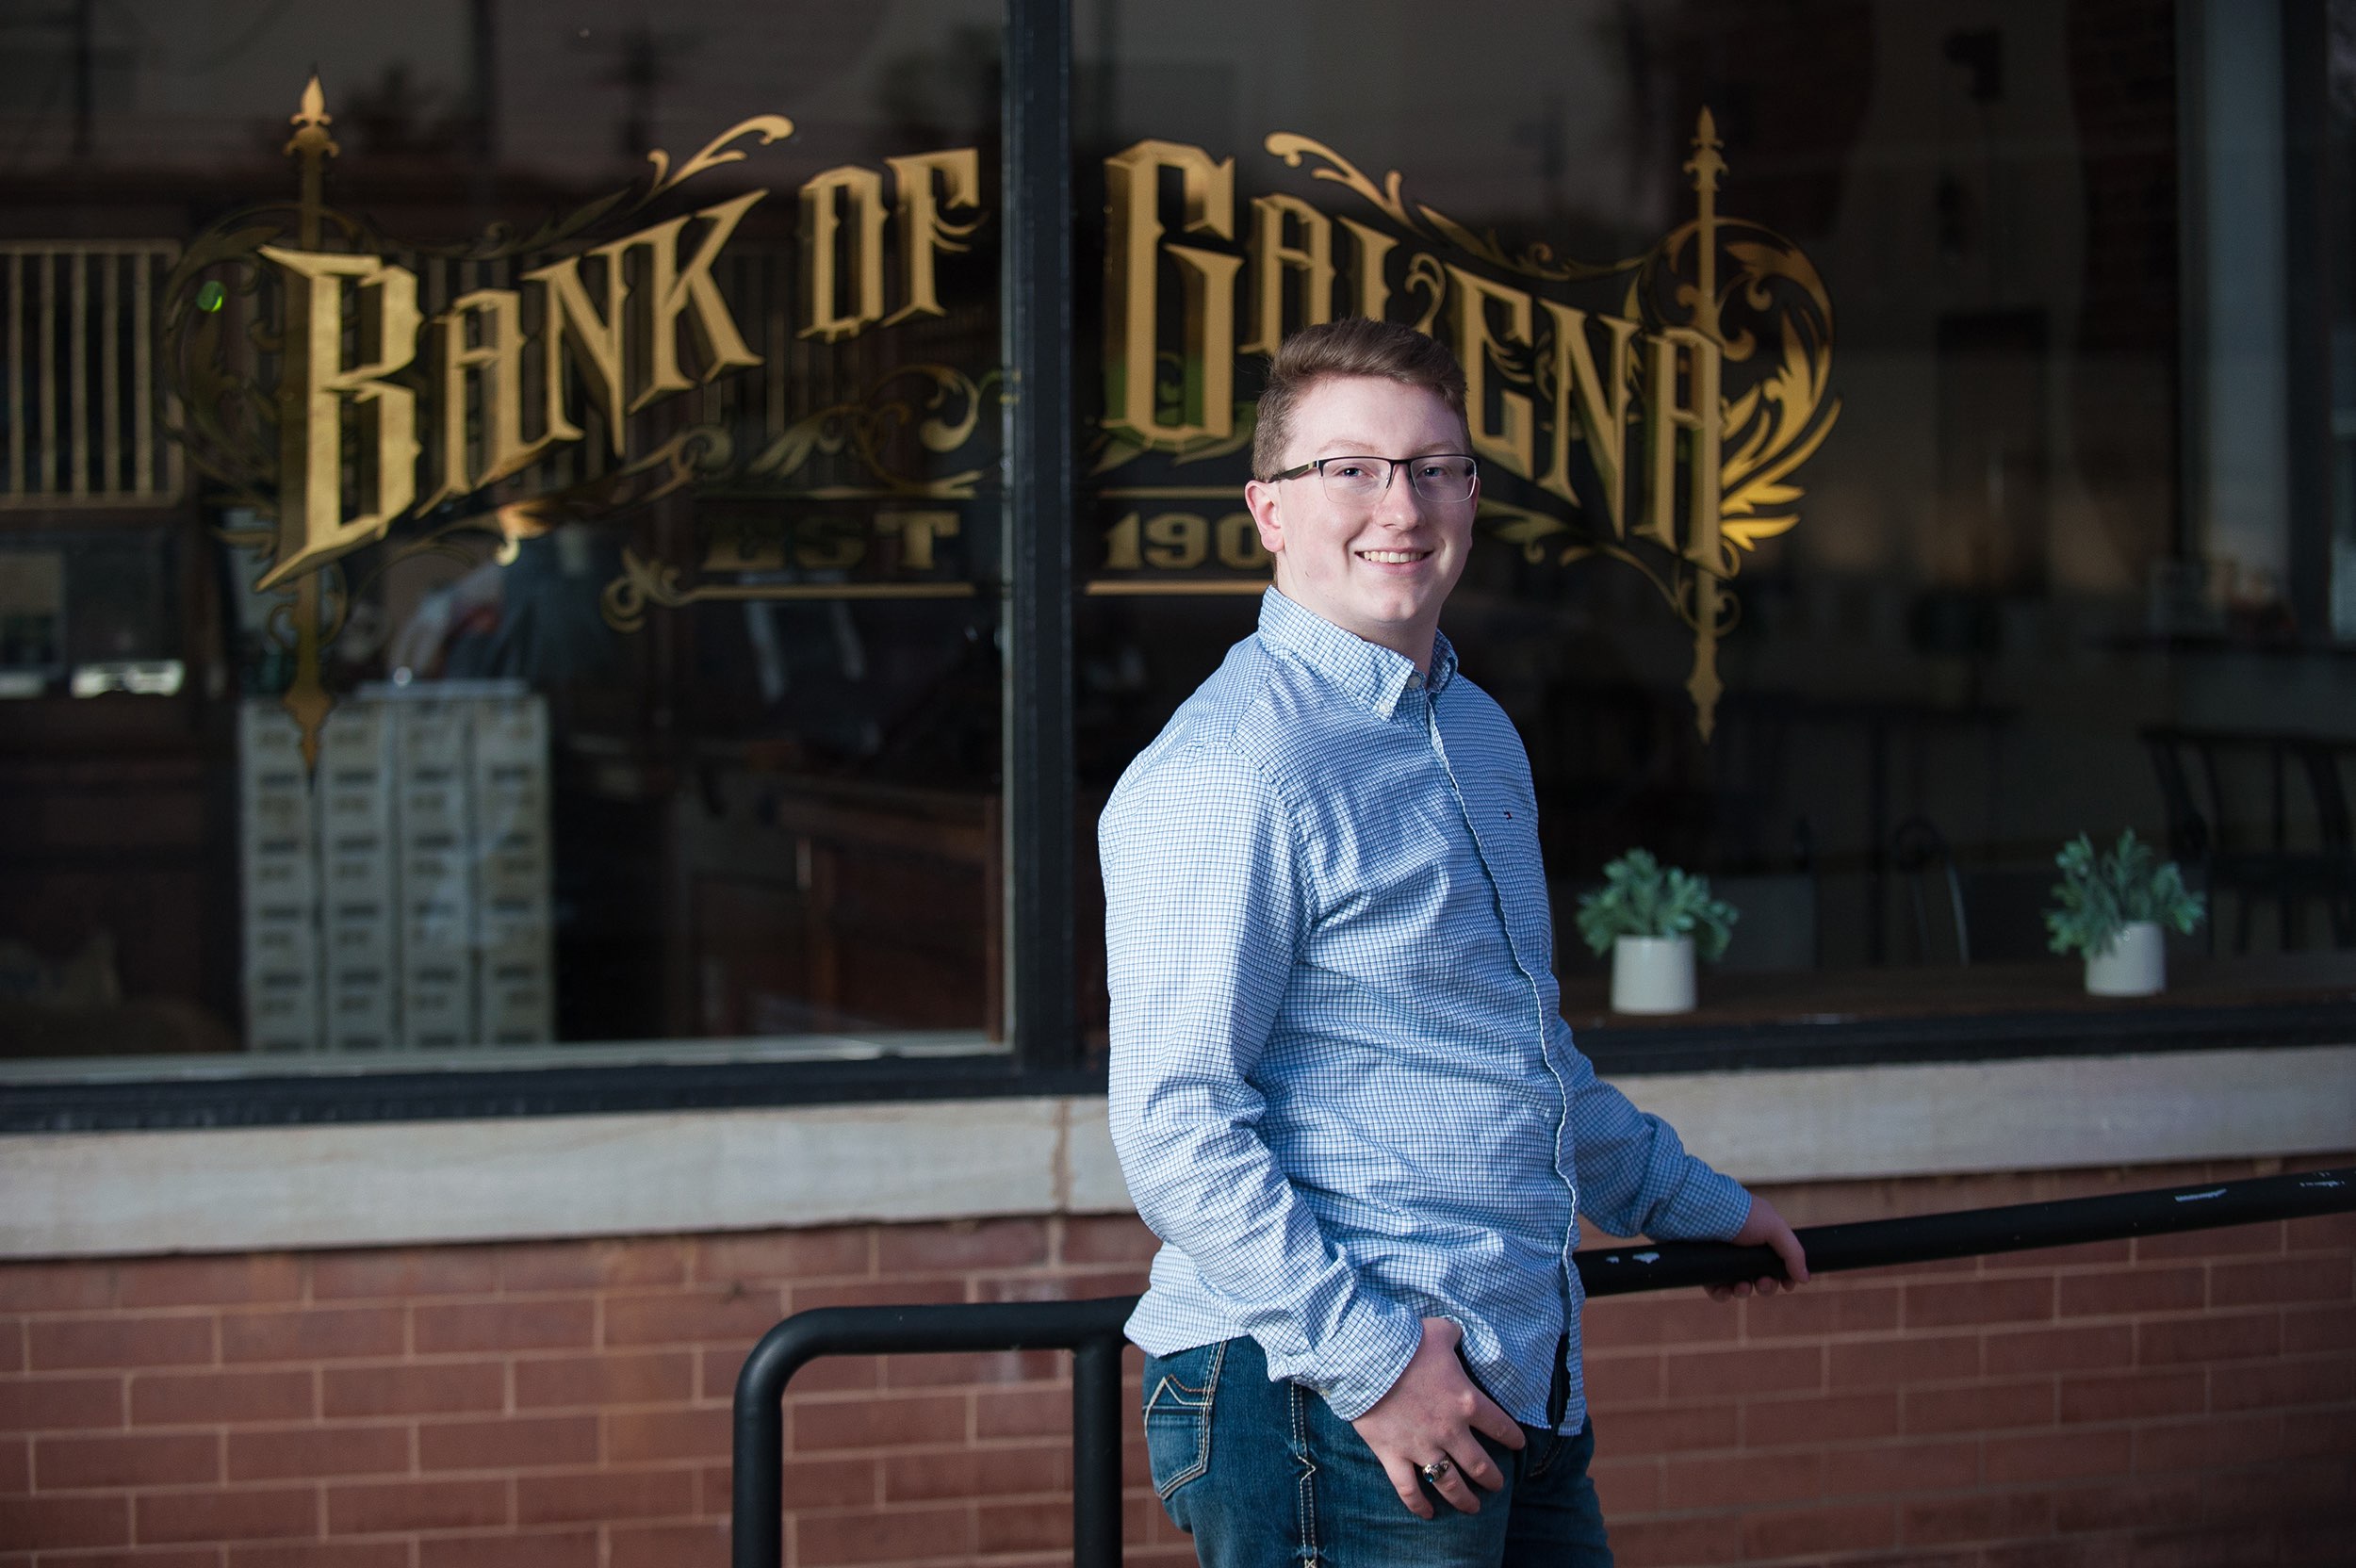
(1765, 1228)
(1434, 1413)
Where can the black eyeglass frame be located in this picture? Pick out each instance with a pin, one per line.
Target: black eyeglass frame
(1319, 464)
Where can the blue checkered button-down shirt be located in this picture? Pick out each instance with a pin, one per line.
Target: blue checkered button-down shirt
(1342, 1089)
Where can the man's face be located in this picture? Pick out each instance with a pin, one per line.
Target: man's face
(1378, 568)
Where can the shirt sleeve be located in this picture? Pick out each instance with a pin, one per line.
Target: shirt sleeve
(1206, 906)
(1634, 1175)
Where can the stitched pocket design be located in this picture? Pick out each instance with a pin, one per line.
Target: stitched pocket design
(1178, 1393)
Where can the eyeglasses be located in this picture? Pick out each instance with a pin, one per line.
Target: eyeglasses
(1438, 477)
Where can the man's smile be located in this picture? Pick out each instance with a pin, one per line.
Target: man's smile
(1393, 558)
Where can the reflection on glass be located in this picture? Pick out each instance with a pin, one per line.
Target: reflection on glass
(1982, 586)
(572, 442)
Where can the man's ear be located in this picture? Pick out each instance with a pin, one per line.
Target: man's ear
(1264, 500)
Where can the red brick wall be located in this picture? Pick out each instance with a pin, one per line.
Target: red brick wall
(2188, 1400)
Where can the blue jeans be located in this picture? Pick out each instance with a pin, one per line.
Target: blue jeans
(1264, 1475)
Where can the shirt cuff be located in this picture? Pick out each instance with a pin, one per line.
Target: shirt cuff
(1356, 1369)
(1708, 1207)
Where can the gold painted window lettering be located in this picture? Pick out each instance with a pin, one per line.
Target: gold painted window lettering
(606, 327)
(842, 215)
(926, 236)
(317, 392)
(481, 337)
(1205, 394)
(1487, 347)
(843, 221)
(1591, 408)
(1557, 392)
(1308, 263)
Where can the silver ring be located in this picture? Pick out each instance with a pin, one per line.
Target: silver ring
(1437, 1471)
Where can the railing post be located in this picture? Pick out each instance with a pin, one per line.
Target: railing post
(757, 1481)
(1096, 1426)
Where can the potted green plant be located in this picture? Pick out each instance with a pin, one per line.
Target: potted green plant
(2111, 909)
(1653, 920)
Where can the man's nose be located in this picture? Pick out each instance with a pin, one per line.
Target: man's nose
(1399, 504)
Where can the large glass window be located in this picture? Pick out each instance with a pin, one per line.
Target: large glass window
(1882, 411)
(513, 547)
(499, 539)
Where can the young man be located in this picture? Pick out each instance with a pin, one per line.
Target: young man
(1342, 1090)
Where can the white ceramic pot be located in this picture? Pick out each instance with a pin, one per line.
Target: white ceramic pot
(2134, 963)
(1652, 975)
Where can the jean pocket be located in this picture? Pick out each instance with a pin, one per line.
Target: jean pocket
(1178, 1393)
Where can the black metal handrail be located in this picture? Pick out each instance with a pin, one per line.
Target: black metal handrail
(1092, 1328)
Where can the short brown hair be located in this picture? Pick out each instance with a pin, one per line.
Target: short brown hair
(1352, 347)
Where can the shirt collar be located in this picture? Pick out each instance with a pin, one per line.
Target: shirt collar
(1369, 673)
